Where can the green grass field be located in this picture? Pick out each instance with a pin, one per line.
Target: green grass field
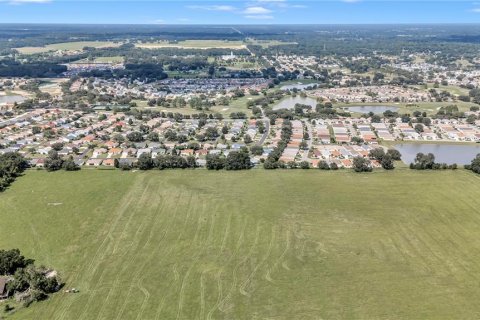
(76, 45)
(250, 245)
(268, 43)
(211, 44)
(115, 59)
(430, 107)
(237, 105)
(193, 44)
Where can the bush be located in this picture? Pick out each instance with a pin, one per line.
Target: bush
(395, 154)
(53, 162)
(215, 162)
(12, 164)
(361, 164)
(475, 165)
(423, 161)
(304, 165)
(256, 150)
(70, 165)
(387, 162)
(377, 154)
(238, 160)
(292, 165)
(145, 162)
(11, 260)
(27, 282)
(323, 165)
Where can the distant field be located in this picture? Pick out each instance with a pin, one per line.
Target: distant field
(237, 105)
(455, 90)
(116, 59)
(77, 45)
(211, 44)
(429, 107)
(194, 44)
(452, 89)
(242, 65)
(250, 245)
(268, 43)
(52, 86)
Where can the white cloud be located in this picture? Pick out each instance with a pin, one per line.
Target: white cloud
(256, 10)
(282, 4)
(476, 10)
(225, 8)
(259, 17)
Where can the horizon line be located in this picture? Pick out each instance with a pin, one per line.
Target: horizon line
(238, 24)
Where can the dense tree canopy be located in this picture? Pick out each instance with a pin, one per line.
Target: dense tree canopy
(11, 260)
(12, 164)
(475, 164)
(361, 164)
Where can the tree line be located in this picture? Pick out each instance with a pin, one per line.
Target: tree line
(12, 68)
(12, 164)
(424, 161)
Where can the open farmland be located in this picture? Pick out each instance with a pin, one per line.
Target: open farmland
(256, 244)
(73, 46)
(116, 59)
(193, 44)
(268, 43)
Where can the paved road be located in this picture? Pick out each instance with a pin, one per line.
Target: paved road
(81, 156)
(309, 141)
(267, 129)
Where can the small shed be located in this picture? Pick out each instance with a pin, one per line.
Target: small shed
(3, 288)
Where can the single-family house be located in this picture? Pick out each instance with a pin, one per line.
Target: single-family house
(94, 162)
(187, 152)
(142, 151)
(108, 162)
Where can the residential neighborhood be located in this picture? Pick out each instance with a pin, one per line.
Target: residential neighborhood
(100, 138)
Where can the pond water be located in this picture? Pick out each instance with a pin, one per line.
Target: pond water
(11, 99)
(299, 86)
(374, 109)
(290, 102)
(444, 153)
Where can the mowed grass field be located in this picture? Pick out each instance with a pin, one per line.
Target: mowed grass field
(237, 105)
(268, 43)
(250, 245)
(193, 44)
(115, 59)
(75, 45)
(430, 107)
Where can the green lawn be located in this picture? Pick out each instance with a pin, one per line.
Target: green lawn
(268, 43)
(237, 105)
(250, 245)
(210, 44)
(76, 45)
(430, 107)
(114, 59)
(193, 44)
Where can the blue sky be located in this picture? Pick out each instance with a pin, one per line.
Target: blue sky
(239, 12)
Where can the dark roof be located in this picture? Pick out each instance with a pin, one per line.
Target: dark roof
(126, 161)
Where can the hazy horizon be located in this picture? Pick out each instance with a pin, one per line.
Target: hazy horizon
(228, 12)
